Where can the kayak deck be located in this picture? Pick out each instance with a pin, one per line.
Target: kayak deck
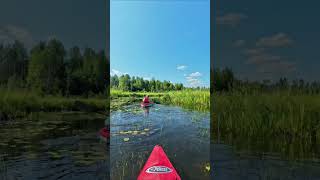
(158, 167)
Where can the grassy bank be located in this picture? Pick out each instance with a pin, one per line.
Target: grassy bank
(20, 103)
(268, 117)
(190, 99)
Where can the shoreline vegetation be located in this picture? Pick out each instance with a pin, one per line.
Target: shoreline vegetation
(198, 100)
(19, 104)
(127, 89)
(51, 78)
(281, 116)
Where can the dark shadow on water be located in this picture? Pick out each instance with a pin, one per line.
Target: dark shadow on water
(54, 146)
(272, 159)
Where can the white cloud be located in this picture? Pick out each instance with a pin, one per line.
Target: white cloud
(231, 19)
(268, 63)
(147, 78)
(194, 80)
(116, 72)
(181, 67)
(195, 74)
(277, 40)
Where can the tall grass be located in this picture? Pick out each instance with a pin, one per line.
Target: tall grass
(268, 118)
(20, 103)
(191, 99)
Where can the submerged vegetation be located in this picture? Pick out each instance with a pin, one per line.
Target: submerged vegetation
(277, 117)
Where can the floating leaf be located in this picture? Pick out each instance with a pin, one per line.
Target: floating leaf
(125, 139)
(146, 129)
(207, 167)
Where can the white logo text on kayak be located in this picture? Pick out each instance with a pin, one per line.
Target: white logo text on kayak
(159, 169)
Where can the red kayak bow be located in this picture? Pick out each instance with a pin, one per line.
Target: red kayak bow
(104, 132)
(158, 167)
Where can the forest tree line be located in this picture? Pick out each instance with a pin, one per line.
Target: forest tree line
(49, 68)
(128, 83)
(224, 80)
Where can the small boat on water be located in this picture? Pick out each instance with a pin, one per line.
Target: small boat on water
(144, 105)
(104, 133)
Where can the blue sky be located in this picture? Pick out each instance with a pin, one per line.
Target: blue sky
(268, 39)
(81, 22)
(166, 40)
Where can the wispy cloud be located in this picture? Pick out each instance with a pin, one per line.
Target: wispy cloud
(195, 74)
(263, 57)
(181, 67)
(231, 19)
(10, 33)
(193, 79)
(277, 40)
(269, 63)
(116, 72)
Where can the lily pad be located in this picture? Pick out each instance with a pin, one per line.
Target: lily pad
(207, 167)
(126, 139)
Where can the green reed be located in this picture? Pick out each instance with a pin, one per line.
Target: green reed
(190, 99)
(21, 103)
(293, 120)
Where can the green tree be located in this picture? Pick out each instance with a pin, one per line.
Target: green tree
(46, 70)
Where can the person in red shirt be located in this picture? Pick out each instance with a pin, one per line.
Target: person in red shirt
(146, 99)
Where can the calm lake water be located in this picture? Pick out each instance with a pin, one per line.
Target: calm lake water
(240, 160)
(54, 146)
(183, 134)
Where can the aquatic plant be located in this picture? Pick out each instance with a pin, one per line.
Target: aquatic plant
(272, 122)
(15, 104)
(191, 99)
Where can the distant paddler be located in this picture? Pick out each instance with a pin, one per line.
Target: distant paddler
(146, 102)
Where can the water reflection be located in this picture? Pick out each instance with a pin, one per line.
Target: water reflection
(54, 146)
(229, 163)
(146, 111)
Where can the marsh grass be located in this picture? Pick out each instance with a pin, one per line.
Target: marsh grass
(21, 103)
(190, 99)
(275, 122)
